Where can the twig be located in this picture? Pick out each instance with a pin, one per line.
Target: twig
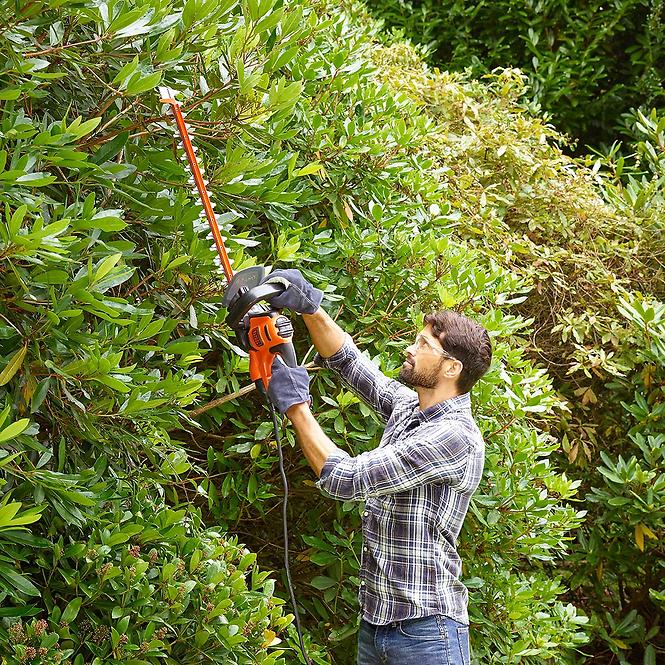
(119, 114)
(502, 428)
(227, 398)
(53, 49)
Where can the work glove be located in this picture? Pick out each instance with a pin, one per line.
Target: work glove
(288, 385)
(300, 296)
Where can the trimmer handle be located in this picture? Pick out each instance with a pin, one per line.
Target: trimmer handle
(261, 329)
(269, 334)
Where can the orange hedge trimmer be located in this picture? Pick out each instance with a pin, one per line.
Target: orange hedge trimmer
(261, 330)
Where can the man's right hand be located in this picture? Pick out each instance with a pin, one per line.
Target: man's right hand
(300, 296)
(288, 385)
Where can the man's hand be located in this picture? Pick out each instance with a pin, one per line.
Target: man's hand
(288, 385)
(300, 296)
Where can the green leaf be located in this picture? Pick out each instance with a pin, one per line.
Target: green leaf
(123, 624)
(23, 584)
(24, 611)
(39, 395)
(13, 365)
(71, 611)
(37, 179)
(129, 23)
(126, 72)
(118, 538)
(321, 582)
(247, 560)
(17, 220)
(106, 266)
(201, 637)
(8, 94)
(8, 511)
(140, 84)
(113, 383)
(14, 430)
(323, 558)
(314, 167)
(80, 129)
(6, 460)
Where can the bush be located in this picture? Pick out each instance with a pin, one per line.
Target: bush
(147, 585)
(322, 149)
(587, 62)
(587, 235)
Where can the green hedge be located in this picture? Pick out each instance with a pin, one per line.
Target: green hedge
(120, 390)
(587, 235)
(587, 62)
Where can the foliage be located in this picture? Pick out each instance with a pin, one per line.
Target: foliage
(150, 585)
(623, 551)
(395, 189)
(634, 182)
(586, 234)
(586, 62)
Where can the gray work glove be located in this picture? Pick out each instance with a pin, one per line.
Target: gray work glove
(300, 296)
(288, 385)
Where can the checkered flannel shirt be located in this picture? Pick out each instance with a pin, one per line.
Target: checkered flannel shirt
(416, 487)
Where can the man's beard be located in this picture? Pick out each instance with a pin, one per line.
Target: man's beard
(420, 379)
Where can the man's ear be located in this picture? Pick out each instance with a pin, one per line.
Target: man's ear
(453, 370)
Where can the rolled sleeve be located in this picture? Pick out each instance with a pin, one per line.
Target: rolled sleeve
(331, 462)
(366, 379)
(340, 358)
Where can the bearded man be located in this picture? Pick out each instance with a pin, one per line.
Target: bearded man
(416, 485)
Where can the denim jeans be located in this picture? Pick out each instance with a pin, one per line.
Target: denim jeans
(432, 640)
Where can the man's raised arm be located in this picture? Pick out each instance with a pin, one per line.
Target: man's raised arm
(327, 337)
(336, 349)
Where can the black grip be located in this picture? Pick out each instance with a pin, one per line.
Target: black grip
(288, 353)
(247, 300)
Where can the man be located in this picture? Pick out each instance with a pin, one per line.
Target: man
(416, 485)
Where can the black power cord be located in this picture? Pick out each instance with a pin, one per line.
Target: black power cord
(278, 439)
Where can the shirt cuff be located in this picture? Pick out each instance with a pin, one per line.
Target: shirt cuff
(347, 351)
(331, 462)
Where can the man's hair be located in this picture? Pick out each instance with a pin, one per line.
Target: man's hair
(467, 341)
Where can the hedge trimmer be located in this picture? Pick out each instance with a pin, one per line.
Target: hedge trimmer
(260, 329)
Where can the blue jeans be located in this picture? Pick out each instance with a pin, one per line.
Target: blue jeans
(433, 640)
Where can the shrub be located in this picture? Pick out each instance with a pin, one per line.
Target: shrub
(587, 235)
(586, 62)
(378, 178)
(147, 585)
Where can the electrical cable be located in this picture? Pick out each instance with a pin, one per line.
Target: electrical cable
(278, 325)
(278, 439)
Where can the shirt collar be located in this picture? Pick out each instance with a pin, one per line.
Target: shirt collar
(458, 403)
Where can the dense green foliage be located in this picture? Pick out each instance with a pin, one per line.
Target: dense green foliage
(589, 240)
(587, 62)
(131, 462)
(147, 583)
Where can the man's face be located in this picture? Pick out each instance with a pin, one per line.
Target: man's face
(425, 359)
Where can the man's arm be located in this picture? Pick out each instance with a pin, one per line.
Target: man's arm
(313, 441)
(361, 374)
(335, 348)
(449, 456)
(327, 336)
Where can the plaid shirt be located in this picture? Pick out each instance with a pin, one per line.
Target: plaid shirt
(416, 487)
